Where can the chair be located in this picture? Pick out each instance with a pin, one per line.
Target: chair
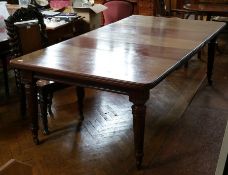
(117, 10)
(20, 43)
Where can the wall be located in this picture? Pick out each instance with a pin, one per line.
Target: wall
(145, 7)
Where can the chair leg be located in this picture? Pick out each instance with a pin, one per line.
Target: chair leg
(80, 95)
(43, 109)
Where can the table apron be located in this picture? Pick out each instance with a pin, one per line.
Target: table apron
(104, 85)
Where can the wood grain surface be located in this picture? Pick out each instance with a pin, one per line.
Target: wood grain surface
(136, 50)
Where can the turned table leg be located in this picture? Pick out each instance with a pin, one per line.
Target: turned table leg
(210, 61)
(139, 111)
(32, 105)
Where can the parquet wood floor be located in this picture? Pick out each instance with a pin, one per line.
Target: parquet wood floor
(177, 141)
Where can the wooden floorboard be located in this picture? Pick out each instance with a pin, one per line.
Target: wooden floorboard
(179, 139)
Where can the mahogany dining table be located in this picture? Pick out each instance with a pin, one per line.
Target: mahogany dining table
(129, 57)
(208, 9)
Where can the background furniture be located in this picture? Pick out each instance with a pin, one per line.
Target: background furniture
(26, 38)
(164, 8)
(117, 10)
(66, 31)
(72, 28)
(208, 10)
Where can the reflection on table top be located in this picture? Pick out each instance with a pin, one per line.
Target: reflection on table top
(137, 49)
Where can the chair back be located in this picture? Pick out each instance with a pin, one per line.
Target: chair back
(117, 10)
(161, 8)
(26, 36)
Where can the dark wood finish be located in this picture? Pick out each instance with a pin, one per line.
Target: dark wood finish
(208, 10)
(113, 60)
(72, 28)
(103, 143)
(20, 44)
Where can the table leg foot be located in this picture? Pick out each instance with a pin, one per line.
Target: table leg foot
(139, 159)
(36, 139)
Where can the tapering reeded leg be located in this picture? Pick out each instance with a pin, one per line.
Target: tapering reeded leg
(210, 61)
(80, 95)
(32, 106)
(139, 111)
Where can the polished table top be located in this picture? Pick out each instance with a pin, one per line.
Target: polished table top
(130, 57)
(137, 51)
